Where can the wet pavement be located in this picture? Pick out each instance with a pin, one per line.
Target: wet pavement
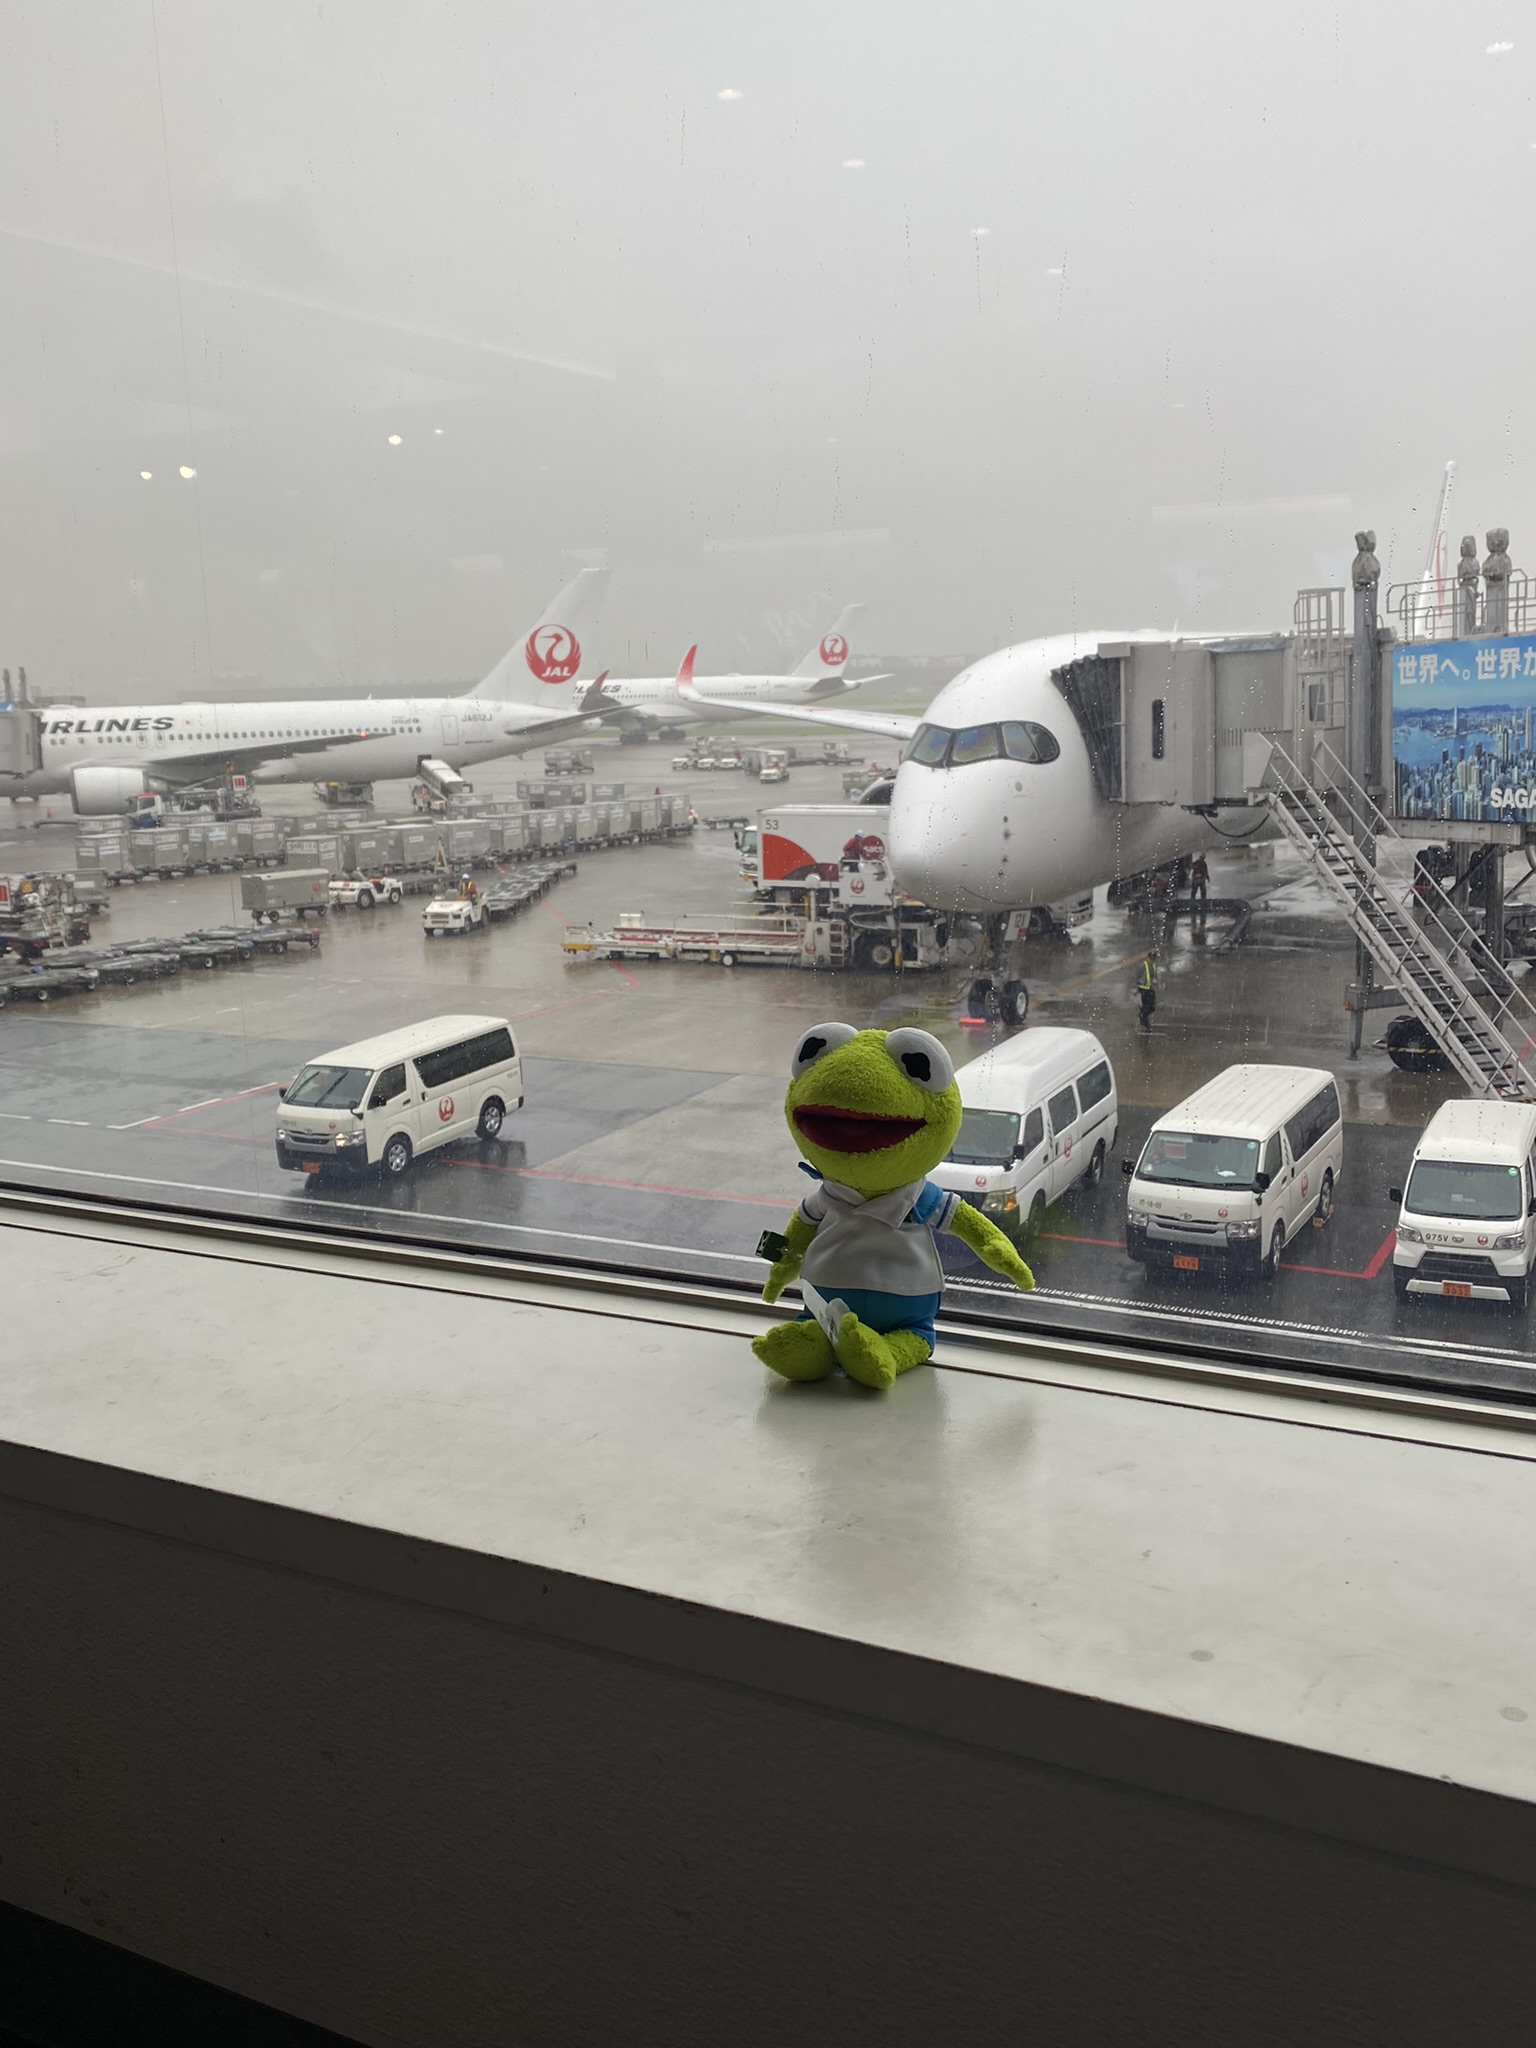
(652, 1132)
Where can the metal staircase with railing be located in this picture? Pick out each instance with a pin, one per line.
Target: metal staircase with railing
(1483, 1023)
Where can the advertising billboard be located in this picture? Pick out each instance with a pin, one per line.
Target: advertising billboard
(1464, 729)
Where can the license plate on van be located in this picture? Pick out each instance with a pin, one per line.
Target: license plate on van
(1185, 1263)
(310, 1165)
(1461, 1290)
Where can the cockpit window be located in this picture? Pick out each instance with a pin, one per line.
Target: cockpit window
(929, 746)
(975, 743)
(1019, 739)
(1023, 740)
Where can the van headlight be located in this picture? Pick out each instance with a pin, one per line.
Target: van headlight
(999, 1202)
(1246, 1228)
(1138, 1219)
(1406, 1234)
(1509, 1244)
(344, 1138)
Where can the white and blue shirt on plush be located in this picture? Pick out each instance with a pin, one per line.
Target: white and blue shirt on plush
(875, 1255)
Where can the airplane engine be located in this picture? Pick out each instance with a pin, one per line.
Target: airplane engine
(98, 792)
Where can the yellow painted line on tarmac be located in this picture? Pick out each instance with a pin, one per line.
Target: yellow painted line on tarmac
(1068, 988)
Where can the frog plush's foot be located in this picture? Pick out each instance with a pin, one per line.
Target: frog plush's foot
(874, 1360)
(796, 1351)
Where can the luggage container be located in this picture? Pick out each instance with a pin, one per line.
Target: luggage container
(303, 891)
(466, 839)
(510, 834)
(316, 850)
(418, 845)
(162, 850)
(102, 853)
(195, 843)
(218, 845)
(364, 847)
(644, 815)
(607, 792)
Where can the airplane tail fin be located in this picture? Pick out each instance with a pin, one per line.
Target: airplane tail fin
(684, 681)
(829, 657)
(542, 668)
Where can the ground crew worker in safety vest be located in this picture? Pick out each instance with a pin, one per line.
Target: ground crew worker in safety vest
(1146, 986)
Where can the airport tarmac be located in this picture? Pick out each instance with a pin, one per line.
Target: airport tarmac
(652, 1133)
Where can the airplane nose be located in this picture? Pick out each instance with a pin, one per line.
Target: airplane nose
(984, 837)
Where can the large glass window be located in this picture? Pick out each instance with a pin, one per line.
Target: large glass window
(333, 485)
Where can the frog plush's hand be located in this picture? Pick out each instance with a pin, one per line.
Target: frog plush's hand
(798, 1234)
(780, 1274)
(991, 1246)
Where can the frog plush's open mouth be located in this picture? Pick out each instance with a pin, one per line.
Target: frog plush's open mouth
(852, 1130)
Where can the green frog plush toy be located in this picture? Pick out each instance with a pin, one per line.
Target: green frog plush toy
(872, 1111)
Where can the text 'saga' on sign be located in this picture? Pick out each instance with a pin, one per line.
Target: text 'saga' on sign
(1464, 729)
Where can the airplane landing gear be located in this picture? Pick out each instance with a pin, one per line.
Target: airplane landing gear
(986, 1003)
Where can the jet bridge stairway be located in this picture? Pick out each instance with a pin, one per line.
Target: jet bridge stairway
(1486, 1027)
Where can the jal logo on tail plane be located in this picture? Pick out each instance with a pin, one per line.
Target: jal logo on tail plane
(834, 650)
(553, 653)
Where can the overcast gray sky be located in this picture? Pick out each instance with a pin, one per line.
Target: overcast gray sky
(965, 311)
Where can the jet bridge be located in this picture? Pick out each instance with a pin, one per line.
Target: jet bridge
(1303, 723)
(21, 743)
(1193, 722)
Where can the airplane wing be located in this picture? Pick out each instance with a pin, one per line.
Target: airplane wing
(885, 725)
(242, 756)
(560, 725)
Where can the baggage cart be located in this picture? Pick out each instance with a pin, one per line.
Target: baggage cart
(278, 892)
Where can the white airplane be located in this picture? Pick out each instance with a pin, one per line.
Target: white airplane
(995, 806)
(644, 703)
(103, 759)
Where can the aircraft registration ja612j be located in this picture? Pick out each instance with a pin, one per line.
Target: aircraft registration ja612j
(102, 759)
(995, 805)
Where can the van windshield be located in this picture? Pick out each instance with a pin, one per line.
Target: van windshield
(1188, 1159)
(986, 1138)
(329, 1088)
(1480, 1194)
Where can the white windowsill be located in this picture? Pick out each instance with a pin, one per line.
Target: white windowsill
(1225, 1589)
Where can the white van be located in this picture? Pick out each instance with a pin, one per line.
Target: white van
(1467, 1221)
(383, 1100)
(1228, 1177)
(1040, 1112)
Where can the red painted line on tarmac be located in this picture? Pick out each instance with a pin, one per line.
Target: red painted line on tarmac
(1388, 1245)
(1368, 1272)
(624, 974)
(213, 1102)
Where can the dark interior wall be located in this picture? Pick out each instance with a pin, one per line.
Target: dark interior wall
(414, 1826)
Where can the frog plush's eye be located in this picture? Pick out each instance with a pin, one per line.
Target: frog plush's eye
(821, 1038)
(921, 1058)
